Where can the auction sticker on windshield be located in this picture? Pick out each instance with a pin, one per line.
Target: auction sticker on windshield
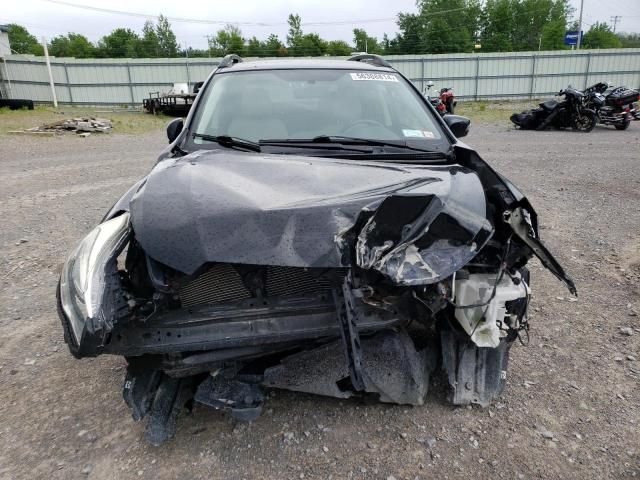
(418, 133)
(380, 77)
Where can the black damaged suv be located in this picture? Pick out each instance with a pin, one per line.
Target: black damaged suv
(316, 226)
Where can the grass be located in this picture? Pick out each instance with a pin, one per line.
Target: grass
(492, 112)
(131, 123)
(135, 122)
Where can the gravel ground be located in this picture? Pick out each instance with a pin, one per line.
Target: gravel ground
(570, 409)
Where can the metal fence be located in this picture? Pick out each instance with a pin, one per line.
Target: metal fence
(472, 76)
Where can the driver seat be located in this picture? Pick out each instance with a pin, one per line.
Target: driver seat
(549, 105)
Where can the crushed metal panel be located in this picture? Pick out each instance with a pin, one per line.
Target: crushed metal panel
(520, 221)
(476, 374)
(392, 368)
(283, 210)
(423, 239)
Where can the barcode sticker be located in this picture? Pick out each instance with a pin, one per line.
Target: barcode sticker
(380, 77)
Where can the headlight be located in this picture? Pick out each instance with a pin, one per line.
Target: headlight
(85, 278)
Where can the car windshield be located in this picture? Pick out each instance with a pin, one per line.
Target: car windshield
(308, 103)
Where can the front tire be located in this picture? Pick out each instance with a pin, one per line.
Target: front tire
(585, 122)
(450, 106)
(624, 126)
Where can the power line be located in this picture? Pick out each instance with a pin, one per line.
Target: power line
(225, 22)
(206, 21)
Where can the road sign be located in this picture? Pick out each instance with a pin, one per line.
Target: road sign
(571, 38)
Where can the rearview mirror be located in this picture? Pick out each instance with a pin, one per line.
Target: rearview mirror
(458, 125)
(174, 127)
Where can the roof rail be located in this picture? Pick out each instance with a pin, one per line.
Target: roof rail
(376, 60)
(229, 60)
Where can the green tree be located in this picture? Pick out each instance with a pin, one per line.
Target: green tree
(301, 44)
(273, 47)
(22, 41)
(72, 45)
(311, 45)
(294, 37)
(498, 26)
(167, 44)
(409, 40)
(339, 48)
(600, 35)
(387, 44)
(629, 40)
(445, 26)
(440, 26)
(254, 48)
(553, 35)
(364, 43)
(516, 25)
(149, 45)
(196, 53)
(120, 43)
(530, 19)
(228, 40)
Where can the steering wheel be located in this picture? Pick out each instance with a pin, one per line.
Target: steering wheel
(363, 122)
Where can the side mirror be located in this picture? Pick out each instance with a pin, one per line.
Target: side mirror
(174, 127)
(458, 125)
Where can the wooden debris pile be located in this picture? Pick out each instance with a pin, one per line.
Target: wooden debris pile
(83, 126)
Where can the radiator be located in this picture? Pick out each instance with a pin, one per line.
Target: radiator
(222, 283)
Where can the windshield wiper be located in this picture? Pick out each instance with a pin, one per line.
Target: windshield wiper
(229, 142)
(338, 140)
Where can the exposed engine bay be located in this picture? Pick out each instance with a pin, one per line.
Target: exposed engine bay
(216, 278)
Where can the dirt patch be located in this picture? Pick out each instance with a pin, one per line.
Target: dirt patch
(570, 410)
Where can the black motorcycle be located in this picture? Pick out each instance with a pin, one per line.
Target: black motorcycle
(616, 108)
(569, 112)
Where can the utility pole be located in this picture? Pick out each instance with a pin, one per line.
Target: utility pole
(580, 26)
(53, 87)
(615, 19)
(186, 62)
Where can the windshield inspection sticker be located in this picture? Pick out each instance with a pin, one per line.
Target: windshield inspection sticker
(381, 77)
(418, 133)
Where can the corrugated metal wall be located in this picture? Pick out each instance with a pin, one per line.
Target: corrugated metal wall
(473, 76)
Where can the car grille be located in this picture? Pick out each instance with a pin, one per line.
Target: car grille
(222, 283)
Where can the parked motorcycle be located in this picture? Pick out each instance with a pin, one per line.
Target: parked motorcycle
(448, 98)
(616, 108)
(445, 101)
(569, 112)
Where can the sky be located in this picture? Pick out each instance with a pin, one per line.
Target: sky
(332, 19)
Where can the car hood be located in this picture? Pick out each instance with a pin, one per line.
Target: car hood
(236, 207)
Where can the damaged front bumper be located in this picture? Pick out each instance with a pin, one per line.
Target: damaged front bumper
(405, 277)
